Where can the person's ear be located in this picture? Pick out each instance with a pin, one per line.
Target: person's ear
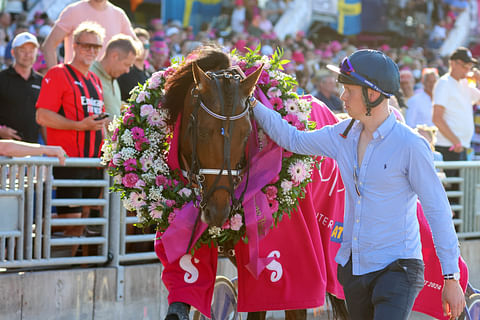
(373, 95)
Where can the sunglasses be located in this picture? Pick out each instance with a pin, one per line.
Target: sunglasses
(347, 68)
(89, 46)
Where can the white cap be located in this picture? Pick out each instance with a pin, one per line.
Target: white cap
(22, 38)
(171, 31)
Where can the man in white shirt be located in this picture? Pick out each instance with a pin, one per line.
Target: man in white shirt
(420, 104)
(452, 106)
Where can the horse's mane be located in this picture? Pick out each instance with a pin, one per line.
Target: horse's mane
(208, 58)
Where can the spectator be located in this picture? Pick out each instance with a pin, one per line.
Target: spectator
(138, 73)
(274, 10)
(118, 59)
(8, 58)
(452, 106)
(70, 101)
(159, 55)
(19, 89)
(407, 83)
(326, 91)
(110, 17)
(11, 148)
(238, 17)
(419, 110)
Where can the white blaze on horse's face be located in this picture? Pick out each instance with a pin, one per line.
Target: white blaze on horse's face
(221, 141)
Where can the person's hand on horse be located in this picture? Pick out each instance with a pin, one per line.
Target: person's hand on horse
(453, 299)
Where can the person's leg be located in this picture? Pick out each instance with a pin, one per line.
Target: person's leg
(357, 292)
(396, 288)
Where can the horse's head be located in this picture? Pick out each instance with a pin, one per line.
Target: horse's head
(215, 129)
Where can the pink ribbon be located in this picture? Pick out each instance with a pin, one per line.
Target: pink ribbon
(177, 236)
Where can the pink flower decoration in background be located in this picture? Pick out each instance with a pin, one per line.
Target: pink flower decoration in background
(146, 110)
(140, 183)
(172, 216)
(274, 180)
(170, 202)
(130, 164)
(138, 133)
(293, 120)
(154, 119)
(264, 78)
(274, 83)
(129, 180)
(139, 143)
(298, 171)
(286, 154)
(128, 118)
(115, 134)
(274, 92)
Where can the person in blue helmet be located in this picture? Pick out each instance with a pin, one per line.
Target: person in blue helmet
(385, 168)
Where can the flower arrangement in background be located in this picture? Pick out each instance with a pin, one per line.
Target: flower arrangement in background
(138, 142)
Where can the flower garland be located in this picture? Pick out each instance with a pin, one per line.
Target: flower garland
(138, 142)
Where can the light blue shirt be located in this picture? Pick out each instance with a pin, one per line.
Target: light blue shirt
(380, 224)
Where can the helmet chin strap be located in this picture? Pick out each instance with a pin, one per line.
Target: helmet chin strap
(368, 103)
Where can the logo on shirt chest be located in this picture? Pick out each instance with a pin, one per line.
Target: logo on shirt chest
(337, 232)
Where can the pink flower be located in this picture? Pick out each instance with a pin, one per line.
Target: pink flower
(271, 193)
(172, 216)
(138, 133)
(286, 185)
(130, 164)
(226, 225)
(277, 103)
(154, 119)
(298, 171)
(140, 183)
(236, 222)
(274, 92)
(185, 192)
(129, 180)
(139, 143)
(117, 159)
(273, 205)
(128, 118)
(293, 120)
(274, 180)
(137, 199)
(274, 83)
(156, 214)
(170, 203)
(264, 78)
(161, 180)
(146, 163)
(115, 134)
(142, 96)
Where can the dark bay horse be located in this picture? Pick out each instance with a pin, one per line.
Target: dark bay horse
(212, 102)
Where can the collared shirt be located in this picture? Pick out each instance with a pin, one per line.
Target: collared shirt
(17, 103)
(111, 90)
(419, 109)
(380, 223)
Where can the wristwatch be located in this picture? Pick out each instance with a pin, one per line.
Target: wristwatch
(452, 276)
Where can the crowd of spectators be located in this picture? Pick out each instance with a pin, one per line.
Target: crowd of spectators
(244, 23)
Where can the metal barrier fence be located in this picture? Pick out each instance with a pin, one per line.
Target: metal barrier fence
(30, 231)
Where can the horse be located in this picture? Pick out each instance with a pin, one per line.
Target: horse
(211, 101)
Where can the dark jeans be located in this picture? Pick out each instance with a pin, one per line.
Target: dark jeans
(451, 156)
(385, 294)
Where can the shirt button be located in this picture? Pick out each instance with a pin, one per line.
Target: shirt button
(358, 201)
(358, 220)
(361, 183)
(355, 238)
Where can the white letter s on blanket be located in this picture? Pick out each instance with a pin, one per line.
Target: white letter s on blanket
(191, 274)
(275, 266)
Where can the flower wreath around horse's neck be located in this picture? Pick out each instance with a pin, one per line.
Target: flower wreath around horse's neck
(138, 142)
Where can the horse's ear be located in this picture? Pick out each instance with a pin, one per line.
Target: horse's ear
(248, 84)
(199, 76)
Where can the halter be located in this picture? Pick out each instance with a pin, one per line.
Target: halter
(195, 174)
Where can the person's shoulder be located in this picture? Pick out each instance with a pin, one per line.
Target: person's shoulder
(410, 137)
(114, 8)
(78, 5)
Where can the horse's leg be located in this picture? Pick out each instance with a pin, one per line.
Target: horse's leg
(339, 308)
(260, 315)
(299, 314)
(178, 311)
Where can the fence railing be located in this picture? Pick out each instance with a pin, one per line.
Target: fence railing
(29, 228)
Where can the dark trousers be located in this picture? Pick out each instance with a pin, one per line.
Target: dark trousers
(385, 294)
(451, 156)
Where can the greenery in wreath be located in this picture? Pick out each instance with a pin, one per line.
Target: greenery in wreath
(138, 143)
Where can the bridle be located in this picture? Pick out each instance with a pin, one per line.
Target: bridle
(195, 174)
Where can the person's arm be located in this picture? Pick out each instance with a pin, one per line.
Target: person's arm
(49, 47)
(318, 142)
(48, 118)
(439, 121)
(424, 181)
(11, 148)
(9, 133)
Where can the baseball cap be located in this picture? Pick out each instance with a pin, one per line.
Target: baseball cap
(22, 38)
(463, 54)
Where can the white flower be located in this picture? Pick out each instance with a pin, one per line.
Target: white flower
(117, 179)
(142, 96)
(127, 203)
(185, 192)
(154, 82)
(128, 153)
(137, 199)
(146, 110)
(214, 231)
(127, 138)
(292, 108)
(286, 186)
(155, 193)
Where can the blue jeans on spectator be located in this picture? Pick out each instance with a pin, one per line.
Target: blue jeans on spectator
(384, 294)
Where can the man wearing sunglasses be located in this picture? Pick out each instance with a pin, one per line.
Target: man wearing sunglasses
(385, 168)
(452, 106)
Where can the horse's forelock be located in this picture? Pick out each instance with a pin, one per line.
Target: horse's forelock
(178, 84)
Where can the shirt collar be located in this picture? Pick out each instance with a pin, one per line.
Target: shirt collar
(381, 131)
(98, 66)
